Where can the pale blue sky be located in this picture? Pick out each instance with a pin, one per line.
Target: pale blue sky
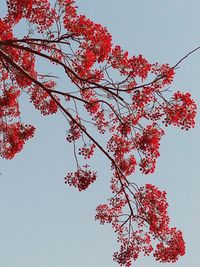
(45, 224)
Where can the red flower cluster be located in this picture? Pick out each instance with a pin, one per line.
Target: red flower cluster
(143, 97)
(42, 100)
(9, 105)
(5, 30)
(132, 246)
(127, 166)
(81, 178)
(87, 151)
(108, 213)
(148, 144)
(170, 250)
(26, 60)
(132, 243)
(134, 67)
(93, 105)
(13, 138)
(181, 111)
(96, 42)
(152, 210)
(35, 11)
(165, 74)
(75, 132)
(120, 146)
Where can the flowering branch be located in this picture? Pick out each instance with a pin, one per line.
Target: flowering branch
(131, 111)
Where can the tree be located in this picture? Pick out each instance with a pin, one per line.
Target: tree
(124, 98)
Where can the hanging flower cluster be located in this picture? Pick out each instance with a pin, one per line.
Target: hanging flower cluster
(151, 209)
(81, 179)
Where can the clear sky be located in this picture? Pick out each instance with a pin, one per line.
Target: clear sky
(45, 224)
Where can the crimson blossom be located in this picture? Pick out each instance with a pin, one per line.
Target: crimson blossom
(132, 112)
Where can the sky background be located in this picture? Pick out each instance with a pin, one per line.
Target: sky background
(43, 223)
